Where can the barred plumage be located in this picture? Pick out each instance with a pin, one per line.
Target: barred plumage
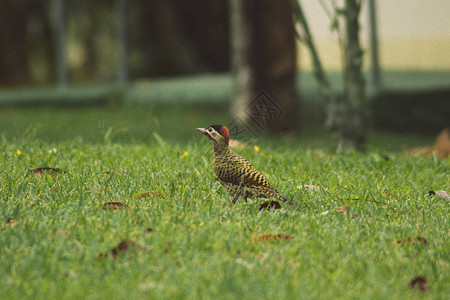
(234, 172)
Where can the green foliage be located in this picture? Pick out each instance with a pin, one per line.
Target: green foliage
(201, 246)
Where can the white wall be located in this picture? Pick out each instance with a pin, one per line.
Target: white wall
(414, 34)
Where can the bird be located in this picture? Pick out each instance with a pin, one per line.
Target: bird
(234, 172)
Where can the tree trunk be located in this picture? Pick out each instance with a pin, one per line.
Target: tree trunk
(240, 63)
(14, 61)
(346, 116)
(264, 63)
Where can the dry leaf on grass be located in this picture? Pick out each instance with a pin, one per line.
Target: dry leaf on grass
(269, 205)
(420, 281)
(11, 222)
(441, 147)
(114, 206)
(148, 194)
(40, 171)
(273, 237)
(344, 209)
(123, 247)
(441, 194)
(310, 187)
(413, 241)
(111, 173)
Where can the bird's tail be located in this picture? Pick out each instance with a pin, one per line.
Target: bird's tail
(283, 198)
(286, 199)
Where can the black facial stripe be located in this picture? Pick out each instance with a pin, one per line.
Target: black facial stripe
(216, 128)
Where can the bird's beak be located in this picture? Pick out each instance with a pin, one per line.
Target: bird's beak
(205, 132)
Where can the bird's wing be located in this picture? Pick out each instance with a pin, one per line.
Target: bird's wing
(237, 170)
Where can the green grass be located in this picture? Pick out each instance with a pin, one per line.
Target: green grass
(201, 246)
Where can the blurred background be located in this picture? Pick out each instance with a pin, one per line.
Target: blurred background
(174, 53)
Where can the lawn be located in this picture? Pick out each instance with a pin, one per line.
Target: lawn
(366, 233)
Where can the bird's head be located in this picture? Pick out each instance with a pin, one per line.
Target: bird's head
(216, 133)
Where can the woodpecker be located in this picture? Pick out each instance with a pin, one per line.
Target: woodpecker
(234, 172)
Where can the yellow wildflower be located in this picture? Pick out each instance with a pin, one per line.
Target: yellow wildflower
(19, 152)
(185, 154)
(256, 148)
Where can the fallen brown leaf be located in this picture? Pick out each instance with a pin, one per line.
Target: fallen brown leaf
(412, 241)
(111, 173)
(148, 194)
(343, 209)
(11, 222)
(114, 206)
(40, 171)
(442, 146)
(122, 247)
(269, 205)
(273, 237)
(310, 187)
(420, 281)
